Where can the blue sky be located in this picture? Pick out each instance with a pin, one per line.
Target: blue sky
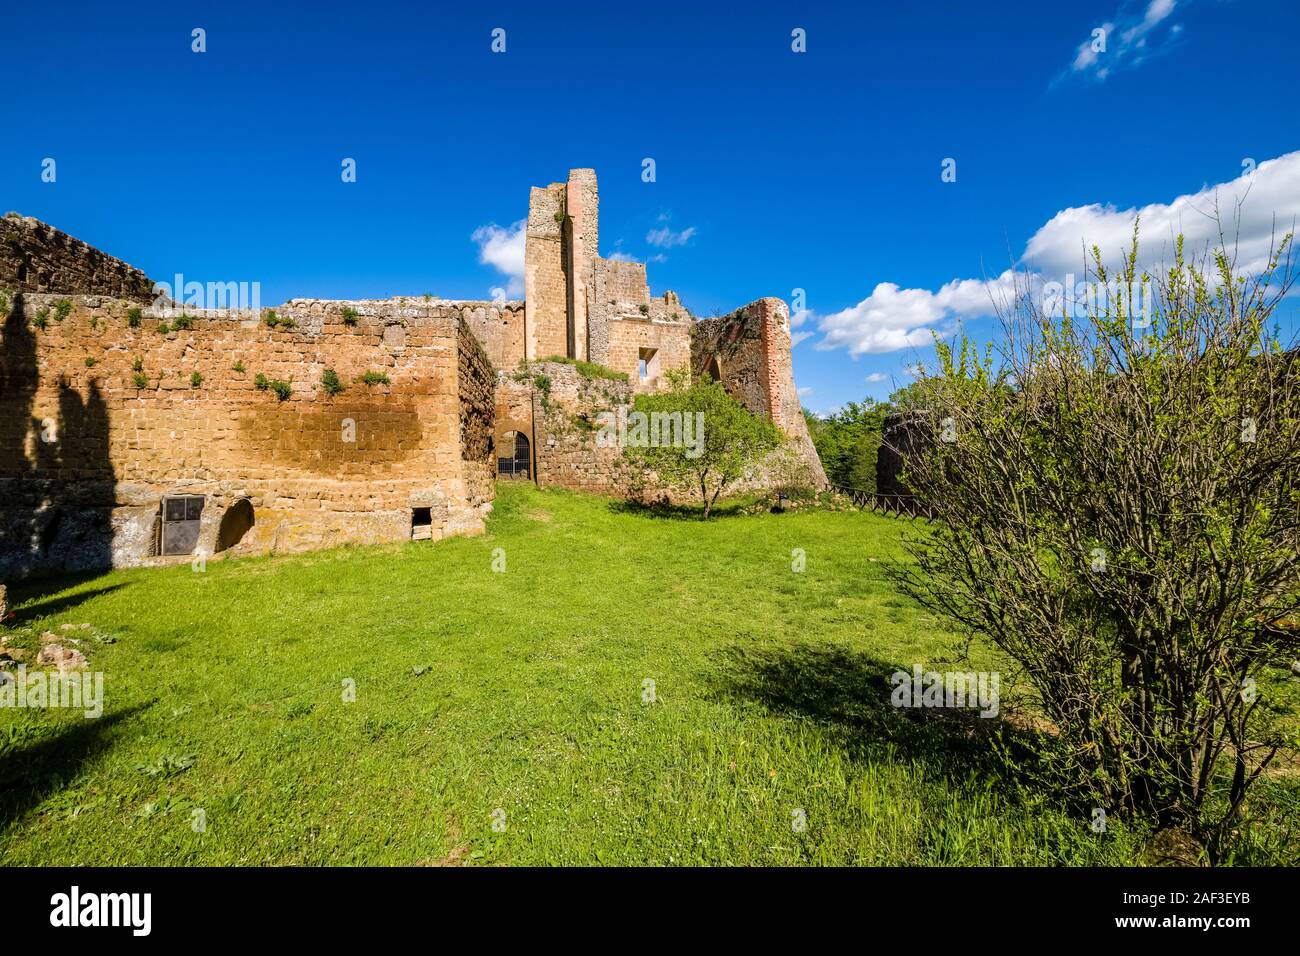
(818, 171)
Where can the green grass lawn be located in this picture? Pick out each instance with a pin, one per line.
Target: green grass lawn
(523, 691)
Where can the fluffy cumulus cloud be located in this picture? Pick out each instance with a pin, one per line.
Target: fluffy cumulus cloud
(1133, 36)
(892, 318)
(502, 247)
(1255, 210)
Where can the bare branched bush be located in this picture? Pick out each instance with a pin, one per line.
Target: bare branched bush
(1117, 503)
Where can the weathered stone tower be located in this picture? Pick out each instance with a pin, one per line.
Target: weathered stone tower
(580, 306)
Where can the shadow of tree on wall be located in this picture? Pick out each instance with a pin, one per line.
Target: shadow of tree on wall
(847, 694)
(56, 478)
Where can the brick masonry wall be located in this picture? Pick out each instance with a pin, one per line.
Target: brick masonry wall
(476, 382)
(616, 289)
(582, 202)
(751, 347)
(85, 454)
(36, 257)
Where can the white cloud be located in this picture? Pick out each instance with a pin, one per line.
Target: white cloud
(1131, 38)
(1248, 206)
(797, 337)
(807, 390)
(622, 257)
(1257, 209)
(891, 318)
(503, 249)
(665, 238)
(877, 377)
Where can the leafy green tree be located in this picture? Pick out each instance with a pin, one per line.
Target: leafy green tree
(847, 442)
(720, 438)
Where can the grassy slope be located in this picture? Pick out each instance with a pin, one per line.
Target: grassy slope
(769, 686)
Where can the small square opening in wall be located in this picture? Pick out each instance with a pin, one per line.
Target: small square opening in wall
(421, 524)
(648, 364)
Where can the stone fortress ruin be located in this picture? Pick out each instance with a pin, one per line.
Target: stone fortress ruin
(134, 431)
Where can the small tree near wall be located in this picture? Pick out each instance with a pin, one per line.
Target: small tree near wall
(696, 438)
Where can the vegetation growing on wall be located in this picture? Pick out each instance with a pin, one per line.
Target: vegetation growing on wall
(329, 381)
(589, 370)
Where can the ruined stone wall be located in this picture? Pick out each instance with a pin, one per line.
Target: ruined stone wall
(546, 295)
(669, 341)
(566, 422)
(476, 381)
(103, 414)
(904, 435)
(499, 328)
(514, 412)
(750, 349)
(36, 257)
(616, 289)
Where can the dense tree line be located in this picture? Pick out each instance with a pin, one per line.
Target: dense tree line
(848, 440)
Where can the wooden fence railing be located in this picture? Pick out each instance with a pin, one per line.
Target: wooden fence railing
(902, 506)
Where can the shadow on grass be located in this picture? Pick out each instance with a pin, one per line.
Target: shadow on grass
(731, 508)
(40, 590)
(848, 694)
(31, 774)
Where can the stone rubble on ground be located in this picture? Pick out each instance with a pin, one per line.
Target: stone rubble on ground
(61, 657)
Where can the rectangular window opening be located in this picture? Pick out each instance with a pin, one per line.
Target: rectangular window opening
(421, 524)
(648, 364)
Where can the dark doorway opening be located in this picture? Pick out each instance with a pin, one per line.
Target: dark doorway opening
(421, 524)
(235, 523)
(514, 459)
